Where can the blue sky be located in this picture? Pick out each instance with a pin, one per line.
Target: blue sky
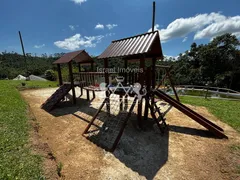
(52, 26)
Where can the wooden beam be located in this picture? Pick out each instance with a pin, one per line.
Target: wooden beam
(153, 77)
(72, 82)
(59, 75)
(148, 84)
(125, 67)
(24, 55)
(172, 85)
(106, 75)
(79, 67)
(154, 73)
(125, 82)
(92, 66)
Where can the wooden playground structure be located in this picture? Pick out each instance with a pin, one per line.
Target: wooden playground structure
(142, 48)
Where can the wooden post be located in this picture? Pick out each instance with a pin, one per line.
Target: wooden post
(172, 84)
(93, 77)
(154, 73)
(125, 67)
(141, 81)
(121, 102)
(24, 55)
(59, 75)
(72, 82)
(80, 85)
(106, 75)
(79, 67)
(92, 66)
(125, 82)
(153, 77)
(88, 98)
(148, 84)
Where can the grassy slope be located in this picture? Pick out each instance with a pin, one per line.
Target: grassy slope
(226, 110)
(30, 84)
(16, 159)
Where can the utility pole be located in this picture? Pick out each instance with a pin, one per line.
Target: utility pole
(153, 16)
(24, 55)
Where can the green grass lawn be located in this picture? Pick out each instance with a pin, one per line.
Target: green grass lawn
(227, 111)
(16, 159)
(30, 84)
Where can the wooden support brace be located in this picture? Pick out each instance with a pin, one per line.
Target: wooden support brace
(59, 74)
(141, 78)
(72, 82)
(81, 89)
(94, 117)
(88, 98)
(121, 102)
(172, 85)
(106, 75)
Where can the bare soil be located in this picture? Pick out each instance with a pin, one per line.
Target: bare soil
(186, 151)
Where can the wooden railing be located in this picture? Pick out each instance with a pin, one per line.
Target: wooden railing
(217, 89)
(88, 78)
(95, 78)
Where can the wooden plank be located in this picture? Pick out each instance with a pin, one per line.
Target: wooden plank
(59, 74)
(141, 81)
(106, 75)
(72, 82)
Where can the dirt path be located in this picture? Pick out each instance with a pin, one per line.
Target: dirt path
(188, 151)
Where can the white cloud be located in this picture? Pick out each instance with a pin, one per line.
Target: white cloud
(185, 39)
(202, 25)
(167, 58)
(155, 28)
(76, 41)
(109, 34)
(39, 46)
(79, 1)
(228, 25)
(99, 26)
(72, 27)
(111, 26)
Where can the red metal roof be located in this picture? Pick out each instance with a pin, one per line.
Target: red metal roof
(80, 56)
(148, 44)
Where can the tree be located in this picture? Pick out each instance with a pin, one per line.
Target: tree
(50, 75)
(217, 62)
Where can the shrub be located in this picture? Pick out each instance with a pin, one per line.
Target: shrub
(50, 75)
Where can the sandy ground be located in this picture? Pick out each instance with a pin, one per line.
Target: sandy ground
(187, 151)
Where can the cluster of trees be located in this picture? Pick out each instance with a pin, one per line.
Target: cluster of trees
(216, 63)
(13, 64)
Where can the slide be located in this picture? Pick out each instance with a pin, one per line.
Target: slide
(192, 114)
(56, 97)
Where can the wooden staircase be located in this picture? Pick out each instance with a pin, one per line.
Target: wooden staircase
(56, 97)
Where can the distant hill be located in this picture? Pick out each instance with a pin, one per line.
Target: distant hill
(13, 64)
